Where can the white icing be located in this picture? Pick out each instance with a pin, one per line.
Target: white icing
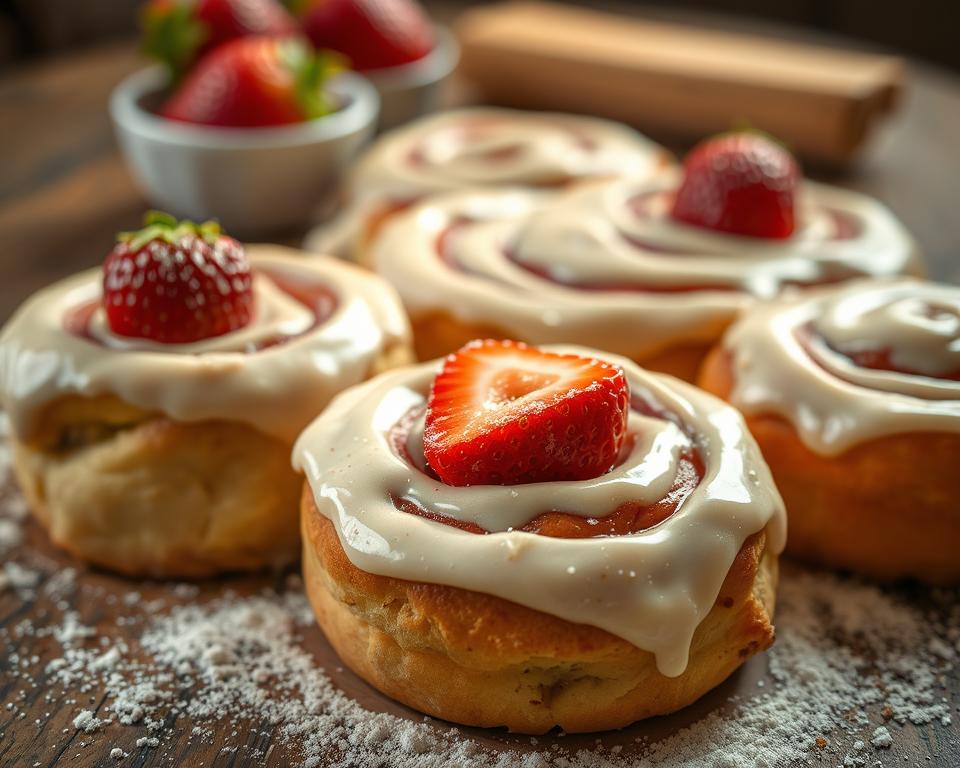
(590, 236)
(277, 389)
(835, 404)
(651, 588)
(460, 148)
(276, 313)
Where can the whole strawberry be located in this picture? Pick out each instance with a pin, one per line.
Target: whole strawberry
(371, 33)
(255, 81)
(176, 282)
(741, 183)
(179, 32)
(502, 413)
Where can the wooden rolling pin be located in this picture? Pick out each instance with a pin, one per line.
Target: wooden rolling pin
(676, 80)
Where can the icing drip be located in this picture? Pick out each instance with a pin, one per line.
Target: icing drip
(651, 588)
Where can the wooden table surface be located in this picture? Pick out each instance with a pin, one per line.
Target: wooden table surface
(64, 192)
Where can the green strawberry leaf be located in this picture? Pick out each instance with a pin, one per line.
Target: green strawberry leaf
(158, 225)
(311, 69)
(172, 36)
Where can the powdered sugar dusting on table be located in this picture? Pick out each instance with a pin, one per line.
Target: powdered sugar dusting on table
(852, 667)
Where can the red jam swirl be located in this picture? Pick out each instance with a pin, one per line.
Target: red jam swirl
(846, 226)
(316, 297)
(626, 519)
(876, 359)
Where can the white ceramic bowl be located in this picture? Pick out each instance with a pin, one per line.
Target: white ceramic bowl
(253, 180)
(414, 89)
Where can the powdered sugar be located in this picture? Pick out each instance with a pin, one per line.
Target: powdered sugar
(847, 656)
(881, 738)
(86, 721)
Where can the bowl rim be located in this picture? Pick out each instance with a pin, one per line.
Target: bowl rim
(361, 111)
(436, 65)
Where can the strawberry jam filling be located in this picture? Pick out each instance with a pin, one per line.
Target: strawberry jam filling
(447, 254)
(626, 519)
(316, 297)
(875, 359)
(882, 360)
(845, 227)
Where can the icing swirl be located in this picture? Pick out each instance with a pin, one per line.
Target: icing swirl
(808, 360)
(484, 147)
(498, 147)
(651, 588)
(605, 265)
(317, 328)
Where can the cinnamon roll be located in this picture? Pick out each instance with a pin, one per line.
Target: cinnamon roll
(486, 147)
(853, 394)
(168, 458)
(607, 266)
(529, 603)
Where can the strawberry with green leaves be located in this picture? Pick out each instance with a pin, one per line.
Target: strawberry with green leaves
(254, 82)
(180, 32)
(177, 282)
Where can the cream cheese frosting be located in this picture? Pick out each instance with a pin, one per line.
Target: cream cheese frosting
(273, 374)
(499, 147)
(485, 147)
(652, 588)
(605, 265)
(792, 358)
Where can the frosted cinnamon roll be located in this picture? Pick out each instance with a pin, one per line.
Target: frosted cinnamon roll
(853, 394)
(153, 404)
(480, 147)
(608, 266)
(534, 538)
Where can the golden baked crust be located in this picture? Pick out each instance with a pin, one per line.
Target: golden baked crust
(886, 508)
(167, 499)
(437, 334)
(480, 660)
(145, 495)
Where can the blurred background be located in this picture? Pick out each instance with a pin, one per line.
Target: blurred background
(925, 29)
(890, 122)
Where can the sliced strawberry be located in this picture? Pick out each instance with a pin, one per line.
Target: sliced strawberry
(176, 282)
(372, 33)
(502, 413)
(255, 81)
(742, 183)
(179, 32)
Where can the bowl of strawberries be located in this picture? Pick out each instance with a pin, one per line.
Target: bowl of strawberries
(391, 42)
(243, 120)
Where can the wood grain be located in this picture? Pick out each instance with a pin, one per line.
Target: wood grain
(821, 101)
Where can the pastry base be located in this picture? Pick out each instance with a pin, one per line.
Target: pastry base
(437, 334)
(167, 499)
(887, 508)
(480, 660)
(145, 495)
